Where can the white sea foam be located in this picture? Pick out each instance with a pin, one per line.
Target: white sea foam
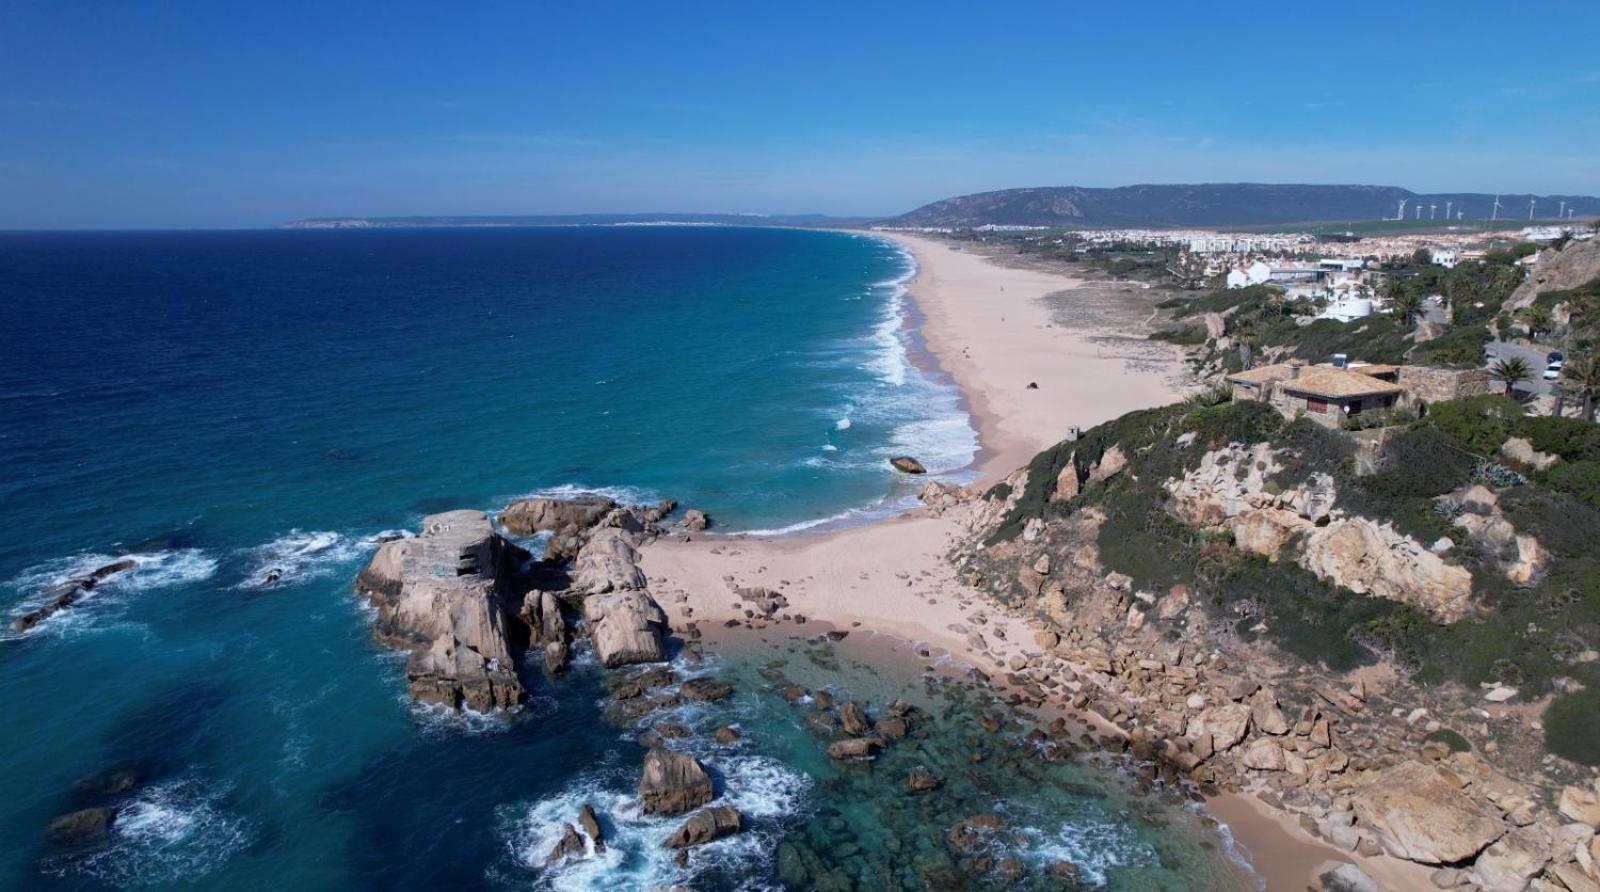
(842, 424)
(1096, 846)
(152, 570)
(297, 556)
(171, 832)
(634, 856)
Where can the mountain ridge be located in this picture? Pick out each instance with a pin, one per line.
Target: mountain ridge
(1177, 205)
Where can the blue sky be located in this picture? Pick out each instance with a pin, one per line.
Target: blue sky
(198, 114)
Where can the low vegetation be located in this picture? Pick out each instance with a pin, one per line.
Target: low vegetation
(1540, 637)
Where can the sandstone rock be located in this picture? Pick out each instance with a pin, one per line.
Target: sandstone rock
(1559, 269)
(626, 627)
(1264, 754)
(726, 734)
(941, 497)
(1121, 582)
(1111, 463)
(1521, 450)
(696, 520)
(1265, 531)
(1511, 861)
(704, 826)
(1342, 876)
(1067, 484)
(1266, 714)
(443, 595)
(672, 783)
(1368, 558)
(1420, 816)
(1222, 726)
(608, 562)
(1581, 804)
(525, 517)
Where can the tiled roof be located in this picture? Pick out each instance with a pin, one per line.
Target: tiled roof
(1318, 380)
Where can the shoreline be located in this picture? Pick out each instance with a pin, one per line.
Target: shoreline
(989, 328)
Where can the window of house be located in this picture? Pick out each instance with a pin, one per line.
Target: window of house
(1315, 405)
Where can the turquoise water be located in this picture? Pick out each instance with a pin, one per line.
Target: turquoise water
(216, 405)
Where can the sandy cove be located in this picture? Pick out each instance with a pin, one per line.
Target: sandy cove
(990, 329)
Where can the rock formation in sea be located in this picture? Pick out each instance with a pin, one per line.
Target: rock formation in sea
(469, 603)
(445, 595)
(68, 593)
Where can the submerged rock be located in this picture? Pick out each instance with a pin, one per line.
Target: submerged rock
(68, 593)
(855, 748)
(706, 825)
(87, 826)
(673, 783)
(706, 689)
(443, 595)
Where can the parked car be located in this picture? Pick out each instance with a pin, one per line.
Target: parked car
(1552, 371)
(1556, 358)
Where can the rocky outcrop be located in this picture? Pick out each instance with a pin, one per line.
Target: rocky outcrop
(672, 783)
(626, 628)
(1420, 815)
(695, 520)
(608, 562)
(1559, 269)
(1521, 557)
(88, 826)
(1371, 558)
(907, 465)
(704, 826)
(65, 594)
(525, 517)
(548, 629)
(444, 596)
(1521, 451)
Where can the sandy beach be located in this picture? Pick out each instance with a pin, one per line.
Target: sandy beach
(991, 328)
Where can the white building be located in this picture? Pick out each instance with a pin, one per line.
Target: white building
(1254, 274)
(1446, 259)
(1348, 309)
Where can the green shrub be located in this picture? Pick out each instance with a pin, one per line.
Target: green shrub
(1572, 726)
(1459, 347)
(1476, 423)
(1571, 438)
(1580, 479)
(1451, 739)
(1419, 463)
(1187, 336)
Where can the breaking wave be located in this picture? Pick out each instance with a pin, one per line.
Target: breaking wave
(170, 833)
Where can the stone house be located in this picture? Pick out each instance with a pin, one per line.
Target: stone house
(1327, 394)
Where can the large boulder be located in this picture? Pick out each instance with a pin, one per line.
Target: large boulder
(66, 594)
(1371, 558)
(1559, 269)
(1224, 726)
(907, 465)
(1512, 860)
(672, 783)
(704, 826)
(626, 627)
(1421, 816)
(525, 517)
(444, 595)
(608, 562)
(1342, 876)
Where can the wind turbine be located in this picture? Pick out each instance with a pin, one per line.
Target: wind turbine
(1447, 206)
(1419, 210)
(1401, 214)
(1530, 209)
(1561, 214)
(1433, 209)
(1494, 212)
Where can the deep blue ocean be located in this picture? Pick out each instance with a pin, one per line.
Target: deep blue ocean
(216, 405)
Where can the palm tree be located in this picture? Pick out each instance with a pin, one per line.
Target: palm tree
(1539, 320)
(1406, 307)
(1582, 374)
(1512, 370)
